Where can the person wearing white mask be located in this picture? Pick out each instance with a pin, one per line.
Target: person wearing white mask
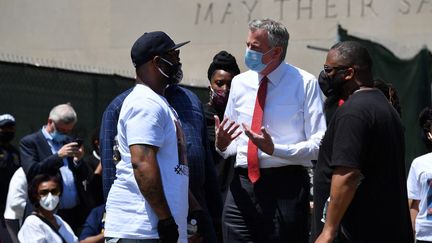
(52, 150)
(43, 225)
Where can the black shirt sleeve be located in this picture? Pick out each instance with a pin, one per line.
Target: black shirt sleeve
(350, 140)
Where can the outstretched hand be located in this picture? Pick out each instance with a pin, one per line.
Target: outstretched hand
(263, 141)
(224, 133)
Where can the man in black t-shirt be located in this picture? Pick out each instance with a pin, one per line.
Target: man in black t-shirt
(360, 182)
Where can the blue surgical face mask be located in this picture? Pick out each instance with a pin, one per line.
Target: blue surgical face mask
(253, 60)
(58, 137)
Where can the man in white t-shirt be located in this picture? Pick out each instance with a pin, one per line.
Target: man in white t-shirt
(419, 184)
(148, 201)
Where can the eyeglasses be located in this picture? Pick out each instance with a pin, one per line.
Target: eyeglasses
(54, 191)
(329, 69)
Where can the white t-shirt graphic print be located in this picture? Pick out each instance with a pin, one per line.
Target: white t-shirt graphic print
(419, 185)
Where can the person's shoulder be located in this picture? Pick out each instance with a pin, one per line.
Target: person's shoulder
(188, 92)
(243, 77)
(305, 75)
(350, 110)
(143, 99)
(31, 137)
(425, 158)
(247, 73)
(32, 219)
(140, 93)
(183, 92)
(118, 100)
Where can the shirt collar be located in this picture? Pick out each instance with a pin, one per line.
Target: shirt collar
(46, 134)
(276, 75)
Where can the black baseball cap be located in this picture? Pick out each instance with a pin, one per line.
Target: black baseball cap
(7, 119)
(152, 44)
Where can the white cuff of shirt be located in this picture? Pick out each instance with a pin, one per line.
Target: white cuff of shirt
(283, 150)
(226, 153)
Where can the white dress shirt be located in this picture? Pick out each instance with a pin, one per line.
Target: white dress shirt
(293, 116)
(17, 196)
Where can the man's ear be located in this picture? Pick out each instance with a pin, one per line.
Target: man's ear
(156, 60)
(50, 121)
(349, 73)
(278, 51)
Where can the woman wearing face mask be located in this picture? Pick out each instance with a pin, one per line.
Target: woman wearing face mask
(220, 73)
(43, 225)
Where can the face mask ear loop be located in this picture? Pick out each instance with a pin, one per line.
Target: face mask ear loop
(160, 70)
(429, 136)
(391, 93)
(163, 73)
(268, 51)
(170, 63)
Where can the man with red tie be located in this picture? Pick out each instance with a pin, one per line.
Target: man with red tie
(279, 108)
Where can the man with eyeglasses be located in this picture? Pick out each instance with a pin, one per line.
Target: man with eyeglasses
(359, 181)
(51, 151)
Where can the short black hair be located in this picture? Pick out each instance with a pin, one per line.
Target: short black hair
(34, 186)
(425, 122)
(354, 54)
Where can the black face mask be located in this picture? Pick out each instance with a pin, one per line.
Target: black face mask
(173, 73)
(6, 137)
(330, 85)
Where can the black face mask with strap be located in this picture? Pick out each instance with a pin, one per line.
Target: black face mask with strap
(330, 85)
(172, 72)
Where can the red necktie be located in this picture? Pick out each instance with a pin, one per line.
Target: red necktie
(252, 152)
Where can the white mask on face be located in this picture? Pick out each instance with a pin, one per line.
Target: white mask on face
(49, 202)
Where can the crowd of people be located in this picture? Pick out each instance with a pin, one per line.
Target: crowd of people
(167, 168)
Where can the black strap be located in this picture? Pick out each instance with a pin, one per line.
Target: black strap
(51, 226)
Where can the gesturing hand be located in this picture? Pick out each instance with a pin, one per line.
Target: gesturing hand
(263, 141)
(225, 134)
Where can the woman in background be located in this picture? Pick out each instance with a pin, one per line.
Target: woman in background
(43, 226)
